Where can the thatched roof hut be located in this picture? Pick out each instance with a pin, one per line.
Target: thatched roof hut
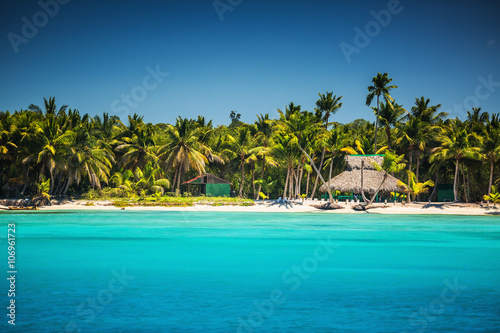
(350, 180)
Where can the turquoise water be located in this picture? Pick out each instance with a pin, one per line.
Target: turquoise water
(125, 271)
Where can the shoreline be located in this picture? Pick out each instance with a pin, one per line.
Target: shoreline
(297, 207)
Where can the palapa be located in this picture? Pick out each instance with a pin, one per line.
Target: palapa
(350, 180)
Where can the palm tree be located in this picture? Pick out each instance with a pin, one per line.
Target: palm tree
(135, 143)
(91, 162)
(290, 109)
(426, 113)
(493, 196)
(392, 163)
(105, 127)
(6, 144)
(43, 192)
(360, 145)
(24, 128)
(390, 116)
(491, 144)
(300, 124)
(334, 141)
(183, 150)
(285, 150)
(414, 136)
(52, 148)
(476, 120)
(326, 105)
(50, 107)
(456, 144)
(264, 135)
(379, 88)
(240, 147)
(414, 187)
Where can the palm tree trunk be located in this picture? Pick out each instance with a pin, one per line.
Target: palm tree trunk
(320, 167)
(465, 184)
(376, 124)
(418, 167)
(388, 132)
(410, 160)
(301, 177)
(66, 187)
(175, 178)
(416, 172)
(286, 181)
(331, 166)
(289, 183)
(242, 177)
(57, 188)
(318, 173)
(362, 184)
(307, 183)
(455, 194)
(51, 182)
(290, 186)
(261, 175)
(376, 192)
(492, 166)
(62, 184)
(179, 178)
(25, 179)
(434, 190)
(468, 182)
(308, 178)
(253, 179)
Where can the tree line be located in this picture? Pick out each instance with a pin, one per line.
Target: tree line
(65, 153)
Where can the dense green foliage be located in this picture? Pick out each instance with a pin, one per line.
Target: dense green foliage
(53, 152)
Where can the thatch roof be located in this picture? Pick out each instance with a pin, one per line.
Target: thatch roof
(354, 161)
(350, 180)
(207, 178)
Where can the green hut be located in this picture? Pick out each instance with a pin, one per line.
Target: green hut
(209, 185)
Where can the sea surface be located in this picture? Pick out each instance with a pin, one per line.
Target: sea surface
(152, 271)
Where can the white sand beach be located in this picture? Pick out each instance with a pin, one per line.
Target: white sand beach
(303, 207)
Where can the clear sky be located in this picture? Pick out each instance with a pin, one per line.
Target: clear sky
(252, 56)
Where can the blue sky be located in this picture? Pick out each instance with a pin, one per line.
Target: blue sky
(91, 55)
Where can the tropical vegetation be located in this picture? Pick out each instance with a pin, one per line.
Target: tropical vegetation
(49, 152)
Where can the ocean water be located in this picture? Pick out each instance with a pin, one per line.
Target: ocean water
(123, 271)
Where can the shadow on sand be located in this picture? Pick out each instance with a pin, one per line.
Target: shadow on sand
(287, 204)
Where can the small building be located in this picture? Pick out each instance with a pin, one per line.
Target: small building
(445, 192)
(208, 185)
